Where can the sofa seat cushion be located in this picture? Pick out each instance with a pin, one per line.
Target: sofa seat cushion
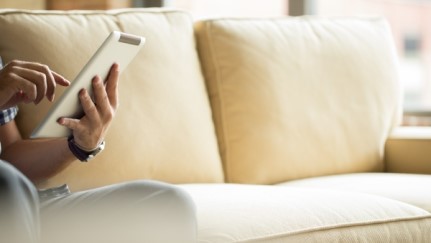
(259, 213)
(163, 129)
(409, 188)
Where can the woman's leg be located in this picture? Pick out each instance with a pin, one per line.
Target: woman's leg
(140, 211)
(19, 206)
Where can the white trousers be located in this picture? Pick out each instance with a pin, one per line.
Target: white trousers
(137, 211)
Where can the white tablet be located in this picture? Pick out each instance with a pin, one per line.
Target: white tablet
(118, 48)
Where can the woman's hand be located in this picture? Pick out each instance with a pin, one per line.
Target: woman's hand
(27, 82)
(90, 130)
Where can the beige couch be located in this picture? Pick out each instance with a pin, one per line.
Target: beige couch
(282, 130)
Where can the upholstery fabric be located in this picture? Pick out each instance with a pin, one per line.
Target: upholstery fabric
(163, 129)
(259, 213)
(300, 97)
(408, 188)
(291, 98)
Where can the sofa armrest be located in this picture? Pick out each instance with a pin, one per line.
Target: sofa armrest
(408, 150)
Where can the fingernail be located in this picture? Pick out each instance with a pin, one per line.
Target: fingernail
(60, 121)
(96, 79)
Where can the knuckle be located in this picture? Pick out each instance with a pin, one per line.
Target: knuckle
(46, 70)
(41, 76)
(10, 75)
(44, 67)
(106, 98)
(109, 115)
(14, 62)
(32, 87)
(32, 91)
(91, 108)
(12, 68)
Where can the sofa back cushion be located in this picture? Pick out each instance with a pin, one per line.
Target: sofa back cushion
(163, 128)
(300, 97)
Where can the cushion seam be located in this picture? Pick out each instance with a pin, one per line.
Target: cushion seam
(87, 12)
(336, 226)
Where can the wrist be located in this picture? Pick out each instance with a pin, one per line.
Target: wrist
(81, 153)
(84, 148)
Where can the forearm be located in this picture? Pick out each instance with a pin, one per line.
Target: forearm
(39, 158)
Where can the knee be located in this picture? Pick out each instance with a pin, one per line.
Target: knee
(181, 199)
(147, 210)
(159, 194)
(162, 191)
(176, 213)
(180, 212)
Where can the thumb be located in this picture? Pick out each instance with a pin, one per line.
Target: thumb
(70, 123)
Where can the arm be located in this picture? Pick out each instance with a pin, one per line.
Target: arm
(37, 159)
(41, 158)
(408, 150)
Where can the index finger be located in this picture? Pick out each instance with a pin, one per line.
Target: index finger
(60, 79)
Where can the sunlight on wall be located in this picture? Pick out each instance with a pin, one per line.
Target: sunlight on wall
(410, 22)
